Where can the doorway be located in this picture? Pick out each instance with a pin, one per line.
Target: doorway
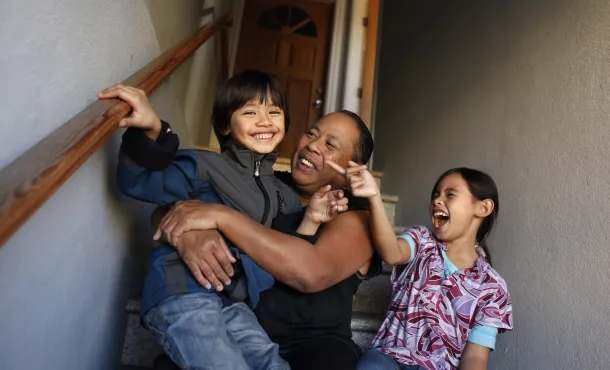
(289, 39)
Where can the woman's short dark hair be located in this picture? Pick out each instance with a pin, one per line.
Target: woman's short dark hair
(237, 91)
(365, 143)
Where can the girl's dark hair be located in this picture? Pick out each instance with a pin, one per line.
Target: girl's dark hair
(237, 91)
(365, 144)
(482, 187)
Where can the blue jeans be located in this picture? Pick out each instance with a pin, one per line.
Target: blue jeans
(197, 332)
(373, 359)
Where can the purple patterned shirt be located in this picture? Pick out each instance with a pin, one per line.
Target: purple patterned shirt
(429, 319)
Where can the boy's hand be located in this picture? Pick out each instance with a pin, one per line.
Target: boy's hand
(143, 115)
(325, 204)
(361, 181)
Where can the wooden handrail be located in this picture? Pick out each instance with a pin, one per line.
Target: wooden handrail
(32, 178)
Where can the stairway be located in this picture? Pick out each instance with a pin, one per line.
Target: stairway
(369, 307)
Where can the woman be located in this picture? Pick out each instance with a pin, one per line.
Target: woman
(308, 311)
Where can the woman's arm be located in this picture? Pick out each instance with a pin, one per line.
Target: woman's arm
(342, 248)
(204, 252)
(475, 357)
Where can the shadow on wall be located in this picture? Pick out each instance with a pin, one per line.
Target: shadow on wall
(441, 72)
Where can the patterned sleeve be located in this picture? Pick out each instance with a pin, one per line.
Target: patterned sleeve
(496, 310)
(414, 237)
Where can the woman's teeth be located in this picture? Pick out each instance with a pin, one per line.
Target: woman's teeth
(263, 136)
(307, 163)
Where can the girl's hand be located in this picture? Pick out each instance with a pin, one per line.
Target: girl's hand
(186, 216)
(325, 204)
(143, 115)
(361, 182)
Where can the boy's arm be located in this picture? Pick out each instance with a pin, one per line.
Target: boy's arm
(324, 206)
(149, 168)
(154, 171)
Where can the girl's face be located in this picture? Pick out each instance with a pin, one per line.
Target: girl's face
(257, 126)
(455, 212)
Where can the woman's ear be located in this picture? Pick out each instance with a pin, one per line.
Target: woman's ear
(485, 208)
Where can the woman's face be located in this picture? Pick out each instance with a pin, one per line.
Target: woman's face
(333, 137)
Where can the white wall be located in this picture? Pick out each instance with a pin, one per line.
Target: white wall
(520, 89)
(205, 75)
(65, 275)
(354, 56)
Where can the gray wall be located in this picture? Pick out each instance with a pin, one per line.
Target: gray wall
(520, 89)
(65, 276)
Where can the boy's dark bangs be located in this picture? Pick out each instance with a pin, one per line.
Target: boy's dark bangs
(260, 94)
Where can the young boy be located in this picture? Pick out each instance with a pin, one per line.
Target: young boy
(198, 327)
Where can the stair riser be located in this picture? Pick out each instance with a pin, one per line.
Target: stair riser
(373, 296)
(390, 209)
(378, 181)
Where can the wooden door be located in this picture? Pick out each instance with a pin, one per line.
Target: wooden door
(289, 39)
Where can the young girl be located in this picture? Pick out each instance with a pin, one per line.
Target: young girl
(448, 304)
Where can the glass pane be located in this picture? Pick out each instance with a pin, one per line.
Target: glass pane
(281, 14)
(297, 16)
(266, 21)
(278, 17)
(308, 29)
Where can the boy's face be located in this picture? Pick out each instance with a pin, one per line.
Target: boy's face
(258, 127)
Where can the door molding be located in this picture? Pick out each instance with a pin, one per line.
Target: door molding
(369, 67)
(336, 63)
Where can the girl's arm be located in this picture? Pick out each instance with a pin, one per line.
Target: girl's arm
(475, 357)
(393, 251)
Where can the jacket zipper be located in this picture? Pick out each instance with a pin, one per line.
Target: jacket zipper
(257, 178)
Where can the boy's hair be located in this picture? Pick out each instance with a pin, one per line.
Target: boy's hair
(365, 144)
(244, 87)
(482, 187)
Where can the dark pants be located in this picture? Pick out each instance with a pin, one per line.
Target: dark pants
(325, 354)
(322, 354)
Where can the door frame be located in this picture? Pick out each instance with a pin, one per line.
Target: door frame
(352, 41)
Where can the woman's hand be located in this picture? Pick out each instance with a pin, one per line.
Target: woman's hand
(143, 115)
(207, 256)
(186, 216)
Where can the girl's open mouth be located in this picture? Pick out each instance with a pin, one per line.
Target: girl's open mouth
(439, 219)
